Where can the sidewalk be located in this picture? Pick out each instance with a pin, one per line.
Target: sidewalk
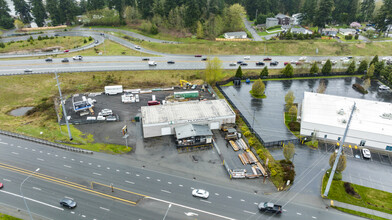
(359, 209)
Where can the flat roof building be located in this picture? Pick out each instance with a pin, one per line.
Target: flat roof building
(161, 120)
(326, 116)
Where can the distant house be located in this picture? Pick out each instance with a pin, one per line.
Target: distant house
(284, 19)
(355, 25)
(329, 32)
(297, 18)
(301, 30)
(347, 31)
(271, 22)
(236, 35)
(370, 29)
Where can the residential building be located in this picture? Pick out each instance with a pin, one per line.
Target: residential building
(347, 31)
(236, 35)
(329, 32)
(297, 18)
(283, 19)
(301, 30)
(271, 22)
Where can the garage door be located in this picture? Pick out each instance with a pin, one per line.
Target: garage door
(214, 125)
(166, 131)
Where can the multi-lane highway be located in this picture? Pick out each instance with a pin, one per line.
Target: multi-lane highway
(139, 193)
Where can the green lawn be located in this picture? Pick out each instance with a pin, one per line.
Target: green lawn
(62, 42)
(8, 217)
(365, 215)
(264, 33)
(370, 198)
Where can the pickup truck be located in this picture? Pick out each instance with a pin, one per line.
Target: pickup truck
(270, 207)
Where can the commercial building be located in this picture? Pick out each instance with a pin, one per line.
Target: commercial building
(326, 116)
(193, 136)
(162, 120)
(236, 35)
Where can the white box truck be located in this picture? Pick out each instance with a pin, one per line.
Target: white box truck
(152, 63)
(113, 90)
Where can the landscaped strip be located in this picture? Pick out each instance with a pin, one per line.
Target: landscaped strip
(365, 215)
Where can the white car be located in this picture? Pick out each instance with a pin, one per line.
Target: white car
(77, 57)
(366, 153)
(106, 112)
(137, 47)
(247, 58)
(302, 58)
(293, 61)
(201, 193)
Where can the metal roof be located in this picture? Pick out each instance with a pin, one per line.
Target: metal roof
(236, 34)
(192, 130)
(186, 112)
(369, 116)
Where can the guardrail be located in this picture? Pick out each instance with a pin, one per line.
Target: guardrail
(41, 141)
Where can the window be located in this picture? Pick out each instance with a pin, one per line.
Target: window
(338, 138)
(388, 148)
(362, 143)
(325, 136)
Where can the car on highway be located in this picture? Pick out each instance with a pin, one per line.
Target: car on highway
(77, 57)
(240, 61)
(270, 207)
(66, 51)
(102, 34)
(49, 59)
(204, 59)
(68, 203)
(267, 59)
(302, 58)
(201, 193)
(145, 59)
(28, 70)
(260, 63)
(247, 58)
(1, 185)
(293, 61)
(65, 60)
(366, 153)
(285, 63)
(198, 55)
(137, 47)
(298, 63)
(244, 64)
(96, 41)
(171, 62)
(232, 64)
(274, 63)
(152, 63)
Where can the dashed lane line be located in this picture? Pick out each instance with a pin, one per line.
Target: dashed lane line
(40, 159)
(129, 182)
(98, 174)
(15, 153)
(36, 188)
(165, 191)
(67, 166)
(252, 213)
(206, 201)
(105, 209)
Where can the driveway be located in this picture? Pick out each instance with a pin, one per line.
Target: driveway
(248, 26)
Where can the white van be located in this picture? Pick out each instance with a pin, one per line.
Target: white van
(152, 63)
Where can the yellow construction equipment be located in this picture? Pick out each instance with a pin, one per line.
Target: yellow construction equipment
(185, 84)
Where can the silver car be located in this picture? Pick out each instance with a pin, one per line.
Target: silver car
(366, 153)
(201, 193)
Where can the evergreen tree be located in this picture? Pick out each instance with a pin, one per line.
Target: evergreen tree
(39, 12)
(6, 20)
(379, 66)
(351, 68)
(374, 60)
(314, 69)
(362, 67)
(95, 4)
(67, 11)
(264, 72)
(199, 30)
(367, 9)
(23, 10)
(324, 13)
(288, 71)
(309, 11)
(370, 71)
(384, 16)
(53, 10)
(327, 68)
(239, 72)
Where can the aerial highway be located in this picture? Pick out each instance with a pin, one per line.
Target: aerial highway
(138, 192)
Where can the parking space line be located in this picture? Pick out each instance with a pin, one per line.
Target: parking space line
(180, 185)
(32, 149)
(40, 159)
(97, 174)
(147, 177)
(252, 213)
(105, 209)
(205, 201)
(15, 153)
(158, 180)
(36, 188)
(67, 166)
(169, 183)
(7, 180)
(165, 191)
(129, 182)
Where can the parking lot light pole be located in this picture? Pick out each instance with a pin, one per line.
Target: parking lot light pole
(63, 104)
(20, 189)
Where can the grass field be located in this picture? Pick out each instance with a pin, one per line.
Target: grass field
(370, 198)
(8, 217)
(63, 42)
(365, 215)
(19, 91)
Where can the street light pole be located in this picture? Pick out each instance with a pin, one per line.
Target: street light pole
(164, 217)
(20, 189)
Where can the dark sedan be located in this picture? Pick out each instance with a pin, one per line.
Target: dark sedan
(244, 64)
(65, 60)
(146, 59)
(171, 62)
(239, 62)
(204, 59)
(48, 59)
(68, 203)
(198, 55)
(274, 63)
(260, 63)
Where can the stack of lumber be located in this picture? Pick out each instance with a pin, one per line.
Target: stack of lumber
(243, 159)
(234, 145)
(251, 157)
(241, 143)
(261, 168)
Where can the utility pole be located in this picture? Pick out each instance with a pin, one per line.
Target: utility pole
(63, 104)
(339, 153)
(256, 14)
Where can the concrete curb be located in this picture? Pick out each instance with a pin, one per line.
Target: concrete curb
(41, 141)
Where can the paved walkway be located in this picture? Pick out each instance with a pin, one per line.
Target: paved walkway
(360, 209)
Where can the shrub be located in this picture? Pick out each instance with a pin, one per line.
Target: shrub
(362, 67)
(356, 36)
(39, 38)
(314, 69)
(348, 37)
(2, 45)
(273, 172)
(84, 41)
(288, 71)
(258, 89)
(294, 126)
(247, 133)
(90, 38)
(252, 141)
(350, 190)
(327, 68)
(273, 27)
(238, 73)
(264, 72)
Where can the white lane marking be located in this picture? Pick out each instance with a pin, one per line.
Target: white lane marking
(7, 180)
(12, 144)
(72, 159)
(314, 217)
(68, 197)
(15, 153)
(26, 148)
(299, 213)
(67, 166)
(105, 209)
(137, 175)
(89, 163)
(192, 188)
(39, 151)
(127, 172)
(205, 201)
(229, 197)
(40, 159)
(118, 170)
(81, 161)
(83, 216)
(64, 158)
(255, 203)
(98, 174)
(4, 143)
(242, 200)
(33, 149)
(36, 188)
(169, 182)
(284, 210)
(190, 214)
(129, 182)
(147, 177)
(19, 146)
(108, 168)
(33, 200)
(72, 212)
(56, 155)
(180, 185)
(165, 191)
(158, 180)
(98, 165)
(48, 153)
(253, 213)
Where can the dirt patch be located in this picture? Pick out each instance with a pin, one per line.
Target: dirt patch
(360, 45)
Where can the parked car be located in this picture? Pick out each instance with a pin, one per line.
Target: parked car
(145, 59)
(65, 60)
(285, 63)
(198, 55)
(244, 64)
(68, 203)
(78, 57)
(28, 70)
(153, 103)
(204, 59)
(260, 63)
(106, 112)
(1, 185)
(267, 59)
(201, 193)
(171, 62)
(247, 58)
(66, 51)
(102, 34)
(56, 35)
(111, 118)
(298, 63)
(270, 207)
(366, 153)
(49, 59)
(137, 47)
(274, 63)
(232, 64)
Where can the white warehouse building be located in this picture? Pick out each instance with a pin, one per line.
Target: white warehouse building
(159, 120)
(326, 116)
